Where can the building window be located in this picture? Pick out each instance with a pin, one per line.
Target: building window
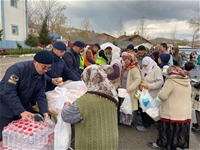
(15, 30)
(13, 3)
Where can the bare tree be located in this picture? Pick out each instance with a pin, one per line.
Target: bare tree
(173, 33)
(121, 28)
(86, 24)
(141, 27)
(194, 24)
(51, 9)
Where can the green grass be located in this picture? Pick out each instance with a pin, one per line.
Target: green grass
(20, 51)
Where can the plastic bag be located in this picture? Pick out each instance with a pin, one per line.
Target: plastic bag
(68, 92)
(152, 109)
(155, 103)
(138, 94)
(126, 106)
(145, 99)
(153, 113)
(62, 134)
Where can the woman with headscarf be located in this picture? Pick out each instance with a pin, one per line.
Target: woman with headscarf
(163, 60)
(175, 111)
(114, 71)
(152, 77)
(123, 57)
(131, 79)
(155, 56)
(95, 113)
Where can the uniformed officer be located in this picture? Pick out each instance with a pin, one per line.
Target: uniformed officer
(23, 83)
(102, 56)
(72, 58)
(58, 67)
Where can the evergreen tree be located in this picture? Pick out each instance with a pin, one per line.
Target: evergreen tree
(44, 37)
(32, 40)
(1, 33)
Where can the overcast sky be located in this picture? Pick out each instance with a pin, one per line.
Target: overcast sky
(161, 16)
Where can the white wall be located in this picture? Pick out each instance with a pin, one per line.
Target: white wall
(15, 16)
(0, 17)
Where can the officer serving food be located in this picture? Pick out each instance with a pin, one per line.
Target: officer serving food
(59, 70)
(22, 84)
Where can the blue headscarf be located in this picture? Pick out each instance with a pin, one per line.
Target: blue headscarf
(165, 59)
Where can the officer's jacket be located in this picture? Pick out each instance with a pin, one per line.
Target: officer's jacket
(59, 69)
(72, 61)
(19, 87)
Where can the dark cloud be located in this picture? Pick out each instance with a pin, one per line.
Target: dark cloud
(104, 14)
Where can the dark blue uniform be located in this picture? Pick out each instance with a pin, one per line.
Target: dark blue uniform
(59, 69)
(19, 87)
(72, 60)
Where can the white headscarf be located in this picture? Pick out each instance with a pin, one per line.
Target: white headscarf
(115, 59)
(150, 63)
(96, 81)
(125, 54)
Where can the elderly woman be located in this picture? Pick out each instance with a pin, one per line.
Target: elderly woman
(124, 56)
(114, 71)
(175, 111)
(95, 113)
(152, 77)
(131, 79)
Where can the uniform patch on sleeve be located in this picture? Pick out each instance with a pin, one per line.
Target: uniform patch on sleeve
(13, 79)
(69, 59)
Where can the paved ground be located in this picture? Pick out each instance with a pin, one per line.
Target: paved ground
(129, 137)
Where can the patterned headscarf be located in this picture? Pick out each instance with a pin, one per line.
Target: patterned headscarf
(96, 81)
(175, 70)
(132, 65)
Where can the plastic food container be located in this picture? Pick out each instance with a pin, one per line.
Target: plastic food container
(121, 92)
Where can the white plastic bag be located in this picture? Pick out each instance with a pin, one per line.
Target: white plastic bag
(62, 134)
(68, 92)
(145, 99)
(152, 109)
(126, 106)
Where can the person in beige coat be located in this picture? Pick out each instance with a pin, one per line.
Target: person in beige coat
(131, 79)
(152, 77)
(175, 111)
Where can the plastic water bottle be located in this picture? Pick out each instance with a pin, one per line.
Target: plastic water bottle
(20, 139)
(1, 145)
(31, 141)
(9, 138)
(14, 139)
(25, 139)
(37, 139)
(5, 137)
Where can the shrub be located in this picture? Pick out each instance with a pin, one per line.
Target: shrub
(21, 51)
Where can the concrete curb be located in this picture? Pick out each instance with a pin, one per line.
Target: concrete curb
(13, 56)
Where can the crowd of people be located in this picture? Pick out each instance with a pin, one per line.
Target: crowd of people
(96, 114)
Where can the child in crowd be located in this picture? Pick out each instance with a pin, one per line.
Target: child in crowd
(188, 66)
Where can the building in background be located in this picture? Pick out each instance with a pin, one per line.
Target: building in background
(14, 22)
